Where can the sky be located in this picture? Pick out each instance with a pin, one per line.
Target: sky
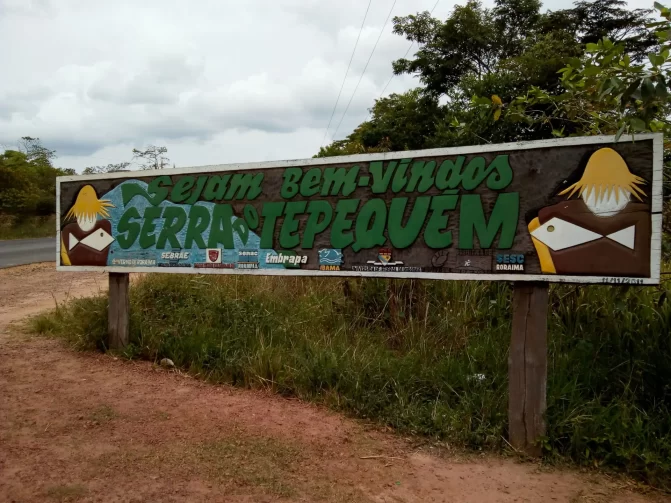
(215, 81)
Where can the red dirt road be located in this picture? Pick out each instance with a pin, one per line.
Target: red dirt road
(89, 427)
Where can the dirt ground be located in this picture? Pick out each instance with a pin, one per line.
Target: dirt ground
(90, 427)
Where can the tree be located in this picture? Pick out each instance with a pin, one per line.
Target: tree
(28, 179)
(602, 92)
(398, 122)
(152, 157)
(35, 151)
(475, 41)
(466, 43)
(480, 52)
(598, 19)
(110, 168)
(351, 146)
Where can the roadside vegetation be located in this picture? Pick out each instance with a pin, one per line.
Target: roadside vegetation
(28, 191)
(430, 358)
(27, 227)
(28, 185)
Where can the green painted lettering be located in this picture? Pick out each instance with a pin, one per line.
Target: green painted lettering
(174, 219)
(199, 220)
(340, 238)
(221, 230)
(198, 189)
(147, 236)
(340, 181)
(310, 182)
(289, 237)
(402, 236)
(399, 176)
(290, 185)
(474, 174)
(500, 173)
(216, 187)
(157, 189)
(314, 226)
(181, 189)
(380, 180)
(370, 223)
(126, 226)
(270, 212)
(435, 234)
(504, 218)
(251, 216)
(421, 176)
(245, 186)
(449, 173)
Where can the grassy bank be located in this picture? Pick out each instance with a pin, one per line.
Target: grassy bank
(423, 357)
(27, 227)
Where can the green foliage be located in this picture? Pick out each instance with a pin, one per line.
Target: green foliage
(350, 146)
(28, 180)
(424, 357)
(475, 42)
(398, 122)
(602, 92)
(480, 52)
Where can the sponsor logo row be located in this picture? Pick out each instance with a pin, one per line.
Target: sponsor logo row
(479, 261)
(331, 259)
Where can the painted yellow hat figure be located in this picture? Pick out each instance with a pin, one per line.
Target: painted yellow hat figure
(602, 232)
(86, 241)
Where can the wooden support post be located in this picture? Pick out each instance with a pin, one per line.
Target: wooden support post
(528, 367)
(119, 310)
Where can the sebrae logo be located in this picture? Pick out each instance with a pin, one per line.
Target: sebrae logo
(176, 255)
(175, 258)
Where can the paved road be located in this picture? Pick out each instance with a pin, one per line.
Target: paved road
(27, 251)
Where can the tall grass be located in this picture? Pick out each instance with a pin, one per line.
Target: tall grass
(12, 227)
(424, 357)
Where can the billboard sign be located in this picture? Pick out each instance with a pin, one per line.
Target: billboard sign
(584, 210)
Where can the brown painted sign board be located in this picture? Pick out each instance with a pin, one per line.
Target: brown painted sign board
(582, 210)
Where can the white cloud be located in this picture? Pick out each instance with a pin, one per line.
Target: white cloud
(213, 80)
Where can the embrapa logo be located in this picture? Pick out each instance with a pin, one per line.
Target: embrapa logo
(287, 259)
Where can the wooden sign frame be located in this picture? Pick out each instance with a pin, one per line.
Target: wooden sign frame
(653, 194)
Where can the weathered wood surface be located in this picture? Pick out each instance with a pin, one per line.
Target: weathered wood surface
(539, 176)
(118, 311)
(527, 367)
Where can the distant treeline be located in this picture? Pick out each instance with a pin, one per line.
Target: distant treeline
(28, 179)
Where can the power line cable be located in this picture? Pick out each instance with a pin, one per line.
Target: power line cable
(364, 69)
(393, 74)
(346, 72)
(404, 56)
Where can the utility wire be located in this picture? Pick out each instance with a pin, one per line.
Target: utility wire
(364, 69)
(404, 56)
(348, 67)
(393, 74)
